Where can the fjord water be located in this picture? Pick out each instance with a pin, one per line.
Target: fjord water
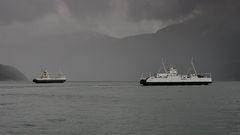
(119, 108)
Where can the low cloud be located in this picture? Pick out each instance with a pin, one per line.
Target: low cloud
(111, 17)
(25, 10)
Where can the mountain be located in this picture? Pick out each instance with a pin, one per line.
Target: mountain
(213, 42)
(9, 73)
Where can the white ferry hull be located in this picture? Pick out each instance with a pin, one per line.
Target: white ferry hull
(147, 83)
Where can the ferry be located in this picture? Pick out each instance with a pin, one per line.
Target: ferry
(45, 78)
(171, 77)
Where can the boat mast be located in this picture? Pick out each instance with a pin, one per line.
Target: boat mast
(193, 66)
(164, 66)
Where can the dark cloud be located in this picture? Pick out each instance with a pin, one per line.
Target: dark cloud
(87, 8)
(160, 9)
(27, 10)
(24, 10)
(174, 9)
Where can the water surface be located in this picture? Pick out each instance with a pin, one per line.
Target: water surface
(119, 108)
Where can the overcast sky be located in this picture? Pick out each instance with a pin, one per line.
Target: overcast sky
(117, 18)
(23, 21)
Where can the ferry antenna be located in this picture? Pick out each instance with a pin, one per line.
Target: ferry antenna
(165, 70)
(193, 66)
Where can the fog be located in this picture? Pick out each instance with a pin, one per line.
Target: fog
(118, 40)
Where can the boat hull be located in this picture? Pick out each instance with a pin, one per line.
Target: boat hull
(145, 83)
(48, 81)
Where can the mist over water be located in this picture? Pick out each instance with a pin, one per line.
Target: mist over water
(120, 108)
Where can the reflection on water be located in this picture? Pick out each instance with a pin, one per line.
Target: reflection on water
(120, 108)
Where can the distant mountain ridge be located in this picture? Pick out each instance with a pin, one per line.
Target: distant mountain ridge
(10, 73)
(214, 44)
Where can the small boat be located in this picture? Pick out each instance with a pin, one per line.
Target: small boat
(171, 77)
(45, 78)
